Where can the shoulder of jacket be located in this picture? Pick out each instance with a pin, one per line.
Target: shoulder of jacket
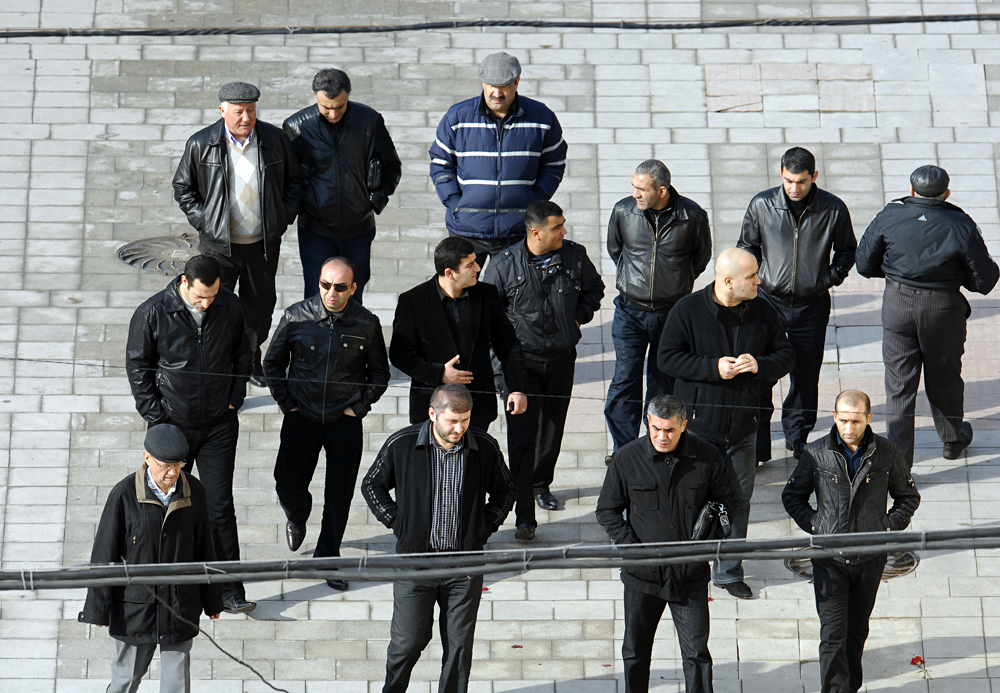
(269, 131)
(536, 108)
(401, 437)
(364, 111)
(297, 119)
(464, 108)
(689, 204)
(367, 317)
(486, 441)
(488, 290)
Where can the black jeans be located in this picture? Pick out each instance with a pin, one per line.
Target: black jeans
(845, 597)
(412, 615)
(212, 453)
(256, 275)
(487, 249)
(535, 437)
(806, 330)
(690, 617)
(314, 250)
(298, 454)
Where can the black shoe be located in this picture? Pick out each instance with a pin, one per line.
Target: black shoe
(339, 585)
(763, 456)
(740, 590)
(607, 460)
(257, 380)
(525, 532)
(795, 448)
(951, 451)
(546, 501)
(238, 605)
(294, 534)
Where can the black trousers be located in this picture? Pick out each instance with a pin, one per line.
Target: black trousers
(845, 597)
(535, 437)
(806, 329)
(257, 294)
(925, 329)
(690, 617)
(212, 454)
(298, 454)
(487, 249)
(412, 616)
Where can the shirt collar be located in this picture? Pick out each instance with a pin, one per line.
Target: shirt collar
(446, 297)
(164, 497)
(235, 142)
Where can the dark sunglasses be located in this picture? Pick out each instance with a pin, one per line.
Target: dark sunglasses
(339, 288)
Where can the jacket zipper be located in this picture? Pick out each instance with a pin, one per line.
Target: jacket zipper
(795, 255)
(260, 184)
(326, 373)
(496, 208)
(202, 369)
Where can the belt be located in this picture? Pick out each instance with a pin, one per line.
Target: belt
(922, 290)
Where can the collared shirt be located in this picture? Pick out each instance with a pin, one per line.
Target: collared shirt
(853, 458)
(458, 311)
(164, 497)
(198, 315)
(447, 472)
(235, 142)
(549, 259)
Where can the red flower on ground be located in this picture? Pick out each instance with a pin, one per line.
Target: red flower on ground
(917, 661)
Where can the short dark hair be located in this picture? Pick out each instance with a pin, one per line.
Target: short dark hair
(450, 252)
(344, 261)
(797, 160)
(452, 396)
(538, 212)
(331, 82)
(667, 407)
(204, 268)
(856, 398)
(657, 172)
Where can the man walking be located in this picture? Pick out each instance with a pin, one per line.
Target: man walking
(441, 472)
(495, 154)
(660, 243)
(720, 343)
(155, 515)
(444, 329)
(239, 183)
(326, 366)
(870, 469)
(660, 484)
(188, 359)
(351, 168)
(791, 230)
(549, 288)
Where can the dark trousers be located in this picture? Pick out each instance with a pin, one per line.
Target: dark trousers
(412, 616)
(845, 597)
(298, 454)
(741, 463)
(487, 249)
(255, 274)
(806, 330)
(212, 454)
(314, 250)
(690, 617)
(636, 334)
(923, 329)
(535, 437)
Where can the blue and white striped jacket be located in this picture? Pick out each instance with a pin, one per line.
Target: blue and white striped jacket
(497, 172)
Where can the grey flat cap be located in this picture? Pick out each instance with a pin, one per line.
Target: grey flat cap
(239, 92)
(929, 181)
(499, 69)
(166, 443)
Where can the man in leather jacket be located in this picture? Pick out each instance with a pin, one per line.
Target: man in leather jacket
(239, 182)
(791, 230)
(660, 242)
(326, 366)
(351, 168)
(188, 359)
(852, 471)
(549, 288)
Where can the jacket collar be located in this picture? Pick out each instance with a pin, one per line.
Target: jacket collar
(172, 297)
(314, 308)
(680, 210)
(424, 437)
(143, 493)
(926, 202)
(780, 200)
(216, 135)
(516, 110)
(868, 442)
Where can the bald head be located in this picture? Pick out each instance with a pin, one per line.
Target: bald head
(339, 262)
(735, 277)
(853, 401)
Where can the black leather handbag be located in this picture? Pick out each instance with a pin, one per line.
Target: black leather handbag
(712, 523)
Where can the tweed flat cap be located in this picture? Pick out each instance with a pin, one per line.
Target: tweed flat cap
(166, 443)
(929, 181)
(499, 69)
(239, 92)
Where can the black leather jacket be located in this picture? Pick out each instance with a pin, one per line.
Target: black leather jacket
(201, 184)
(794, 254)
(545, 305)
(322, 364)
(844, 506)
(336, 202)
(183, 373)
(657, 267)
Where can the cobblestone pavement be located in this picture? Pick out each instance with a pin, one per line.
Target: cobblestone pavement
(90, 133)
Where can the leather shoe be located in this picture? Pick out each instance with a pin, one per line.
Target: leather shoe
(546, 501)
(339, 585)
(257, 380)
(238, 605)
(294, 534)
(525, 532)
(740, 590)
(951, 451)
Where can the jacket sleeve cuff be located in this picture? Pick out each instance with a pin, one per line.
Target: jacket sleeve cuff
(92, 617)
(287, 406)
(361, 409)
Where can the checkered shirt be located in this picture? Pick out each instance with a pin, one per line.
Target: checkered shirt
(447, 471)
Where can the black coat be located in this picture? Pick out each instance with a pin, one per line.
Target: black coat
(422, 343)
(927, 244)
(336, 201)
(692, 343)
(182, 373)
(322, 365)
(404, 465)
(794, 254)
(842, 506)
(662, 494)
(656, 267)
(201, 185)
(136, 528)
